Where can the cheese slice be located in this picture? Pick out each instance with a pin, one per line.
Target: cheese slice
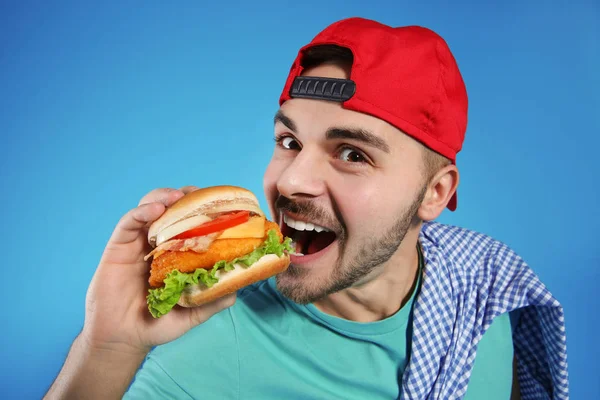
(253, 228)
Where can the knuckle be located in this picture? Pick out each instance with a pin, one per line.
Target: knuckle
(230, 300)
(155, 195)
(128, 216)
(189, 188)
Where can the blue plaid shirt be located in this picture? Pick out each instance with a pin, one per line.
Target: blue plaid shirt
(469, 279)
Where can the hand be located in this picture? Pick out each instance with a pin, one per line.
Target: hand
(117, 316)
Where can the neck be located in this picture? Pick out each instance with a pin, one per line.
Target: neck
(381, 294)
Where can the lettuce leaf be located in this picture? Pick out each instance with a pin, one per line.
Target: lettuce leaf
(162, 300)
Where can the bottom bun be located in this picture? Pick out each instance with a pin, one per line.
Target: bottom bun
(234, 280)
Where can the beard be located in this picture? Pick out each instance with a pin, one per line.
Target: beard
(296, 284)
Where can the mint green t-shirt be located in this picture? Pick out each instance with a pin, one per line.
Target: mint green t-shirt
(267, 347)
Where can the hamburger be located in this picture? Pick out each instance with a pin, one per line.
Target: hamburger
(210, 243)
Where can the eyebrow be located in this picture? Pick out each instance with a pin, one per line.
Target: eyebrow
(285, 120)
(358, 134)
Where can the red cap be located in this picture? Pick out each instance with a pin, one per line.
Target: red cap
(406, 76)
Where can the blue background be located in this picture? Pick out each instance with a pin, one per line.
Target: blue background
(101, 103)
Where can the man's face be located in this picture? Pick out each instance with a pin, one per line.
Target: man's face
(352, 174)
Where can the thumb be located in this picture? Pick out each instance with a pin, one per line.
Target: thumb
(129, 227)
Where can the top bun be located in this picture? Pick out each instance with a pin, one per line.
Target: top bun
(214, 199)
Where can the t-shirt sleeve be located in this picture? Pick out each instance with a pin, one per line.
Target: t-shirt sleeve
(153, 382)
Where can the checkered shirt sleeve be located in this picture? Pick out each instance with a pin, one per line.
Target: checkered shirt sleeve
(469, 279)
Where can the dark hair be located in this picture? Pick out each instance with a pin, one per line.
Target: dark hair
(327, 54)
(432, 163)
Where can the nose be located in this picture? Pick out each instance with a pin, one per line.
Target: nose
(304, 177)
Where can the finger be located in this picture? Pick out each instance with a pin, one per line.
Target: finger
(167, 196)
(189, 189)
(132, 224)
(196, 315)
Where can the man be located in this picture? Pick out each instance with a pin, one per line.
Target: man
(389, 305)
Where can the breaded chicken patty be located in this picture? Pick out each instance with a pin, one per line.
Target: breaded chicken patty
(220, 249)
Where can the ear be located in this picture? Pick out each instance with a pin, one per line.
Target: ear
(439, 192)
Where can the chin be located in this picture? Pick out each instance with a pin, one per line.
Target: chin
(300, 285)
(306, 284)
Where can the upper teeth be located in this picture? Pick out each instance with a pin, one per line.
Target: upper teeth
(303, 226)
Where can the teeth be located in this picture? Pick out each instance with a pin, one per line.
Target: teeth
(294, 252)
(303, 226)
(289, 222)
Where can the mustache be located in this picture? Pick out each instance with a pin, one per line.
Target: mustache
(310, 211)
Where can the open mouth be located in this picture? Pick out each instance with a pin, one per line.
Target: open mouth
(308, 238)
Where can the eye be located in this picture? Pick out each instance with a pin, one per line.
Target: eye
(351, 155)
(287, 142)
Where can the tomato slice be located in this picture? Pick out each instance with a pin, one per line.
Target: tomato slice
(218, 224)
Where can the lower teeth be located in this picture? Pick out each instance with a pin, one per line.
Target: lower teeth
(293, 246)
(294, 252)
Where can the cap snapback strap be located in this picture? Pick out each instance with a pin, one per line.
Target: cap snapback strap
(310, 87)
